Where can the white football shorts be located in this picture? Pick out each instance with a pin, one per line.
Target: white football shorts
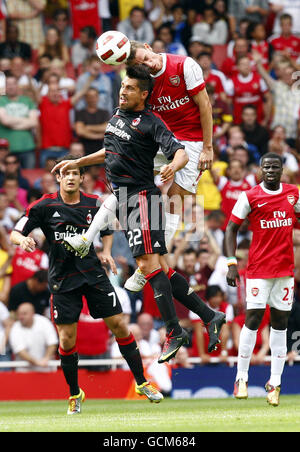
(188, 176)
(278, 293)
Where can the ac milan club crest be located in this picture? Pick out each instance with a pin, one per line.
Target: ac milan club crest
(89, 218)
(291, 199)
(136, 122)
(175, 80)
(254, 291)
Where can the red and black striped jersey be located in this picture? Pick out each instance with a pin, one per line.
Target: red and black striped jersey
(131, 141)
(58, 220)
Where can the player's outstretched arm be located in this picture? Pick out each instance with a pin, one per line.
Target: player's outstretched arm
(27, 243)
(96, 158)
(230, 248)
(179, 161)
(205, 111)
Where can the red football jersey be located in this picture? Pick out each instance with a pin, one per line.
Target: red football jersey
(272, 215)
(172, 97)
(25, 264)
(290, 44)
(84, 12)
(92, 334)
(247, 90)
(263, 48)
(230, 191)
(217, 80)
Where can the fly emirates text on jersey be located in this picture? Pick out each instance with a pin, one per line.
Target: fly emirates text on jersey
(279, 221)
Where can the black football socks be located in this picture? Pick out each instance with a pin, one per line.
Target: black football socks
(163, 296)
(130, 352)
(69, 365)
(186, 296)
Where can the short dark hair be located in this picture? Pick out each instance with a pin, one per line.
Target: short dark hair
(271, 155)
(69, 157)
(41, 276)
(90, 31)
(212, 291)
(141, 73)
(190, 251)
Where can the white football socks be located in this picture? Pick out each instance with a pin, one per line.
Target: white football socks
(105, 215)
(278, 355)
(246, 346)
(172, 222)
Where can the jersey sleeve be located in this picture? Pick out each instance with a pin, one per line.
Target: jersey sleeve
(193, 76)
(297, 207)
(30, 220)
(165, 138)
(241, 209)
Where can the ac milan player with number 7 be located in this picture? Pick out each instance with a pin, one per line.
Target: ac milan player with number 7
(272, 209)
(61, 214)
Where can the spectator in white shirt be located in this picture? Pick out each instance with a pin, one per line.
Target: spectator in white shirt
(33, 339)
(136, 27)
(5, 325)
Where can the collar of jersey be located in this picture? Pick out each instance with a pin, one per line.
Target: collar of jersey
(271, 192)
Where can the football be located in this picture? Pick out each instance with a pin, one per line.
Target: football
(113, 48)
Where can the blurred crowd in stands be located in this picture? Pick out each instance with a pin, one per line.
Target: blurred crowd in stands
(56, 97)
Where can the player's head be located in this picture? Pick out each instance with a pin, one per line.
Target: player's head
(271, 165)
(136, 88)
(214, 296)
(72, 178)
(143, 54)
(236, 170)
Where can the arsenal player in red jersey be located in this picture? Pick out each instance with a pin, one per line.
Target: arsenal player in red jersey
(179, 93)
(271, 208)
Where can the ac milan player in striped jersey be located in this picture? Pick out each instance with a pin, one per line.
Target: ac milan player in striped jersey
(132, 139)
(272, 209)
(67, 212)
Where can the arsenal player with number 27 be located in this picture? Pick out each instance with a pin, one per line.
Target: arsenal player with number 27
(272, 209)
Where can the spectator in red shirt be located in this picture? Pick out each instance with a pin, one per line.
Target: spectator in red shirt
(26, 264)
(262, 341)
(215, 300)
(92, 337)
(55, 126)
(212, 76)
(248, 87)
(231, 187)
(17, 197)
(256, 34)
(286, 43)
(241, 48)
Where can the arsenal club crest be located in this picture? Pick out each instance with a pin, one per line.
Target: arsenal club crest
(174, 80)
(291, 199)
(254, 291)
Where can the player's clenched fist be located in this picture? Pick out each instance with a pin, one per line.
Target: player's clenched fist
(233, 276)
(28, 244)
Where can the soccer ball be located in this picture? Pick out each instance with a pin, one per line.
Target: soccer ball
(113, 47)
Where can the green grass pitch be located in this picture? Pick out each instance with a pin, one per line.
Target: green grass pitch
(202, 415)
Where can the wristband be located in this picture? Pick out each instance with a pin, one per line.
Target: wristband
(231, 261)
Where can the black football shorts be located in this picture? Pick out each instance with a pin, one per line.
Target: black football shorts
(101, 298)
(142, 218)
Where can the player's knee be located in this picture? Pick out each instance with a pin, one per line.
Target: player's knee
(118, 326)
(67, 339)
(254, 318)
(279, 320)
